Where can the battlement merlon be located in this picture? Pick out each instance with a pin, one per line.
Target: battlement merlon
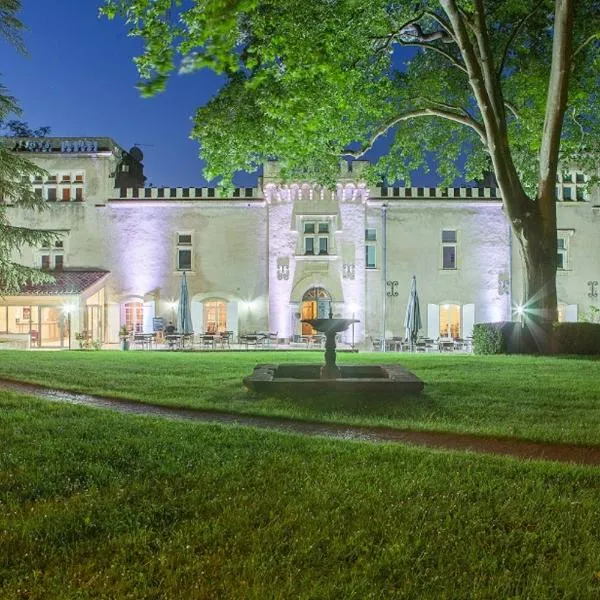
(64, 145)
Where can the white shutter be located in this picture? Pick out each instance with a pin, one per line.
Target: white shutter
(197, 312)
(433, 321)
(113, 317)
(571, 313)
(148, 316)
(232, 318)
(468, 320)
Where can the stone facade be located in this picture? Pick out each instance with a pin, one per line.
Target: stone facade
(266, 257)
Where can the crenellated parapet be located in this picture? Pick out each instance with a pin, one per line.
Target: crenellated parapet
(185, 193)
(443, 193)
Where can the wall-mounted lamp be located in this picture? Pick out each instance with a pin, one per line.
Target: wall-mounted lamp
(593, 285)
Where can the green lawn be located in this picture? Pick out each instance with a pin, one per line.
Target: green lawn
(95, 504)
(552, 399)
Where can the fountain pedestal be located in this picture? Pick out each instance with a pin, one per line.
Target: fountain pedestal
(330, 327)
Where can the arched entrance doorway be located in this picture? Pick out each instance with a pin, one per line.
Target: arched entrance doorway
(315, 305)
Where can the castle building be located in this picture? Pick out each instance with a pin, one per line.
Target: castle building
(263, 258)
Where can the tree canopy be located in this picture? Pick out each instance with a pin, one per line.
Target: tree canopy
(16, 172)
(306, 81)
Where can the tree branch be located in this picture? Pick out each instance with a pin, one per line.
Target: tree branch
(514, 34)
(487, 62)
(592, 37)
(441, 51)
(450, 115)
(556, 105)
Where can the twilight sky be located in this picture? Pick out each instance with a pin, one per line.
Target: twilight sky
(79, 78)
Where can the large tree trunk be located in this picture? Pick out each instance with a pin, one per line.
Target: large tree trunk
(537, 246)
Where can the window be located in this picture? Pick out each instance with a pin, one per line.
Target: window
(79, 194)
(322, 245)
(51, 194)
(184, 251)
(66, 194)
(370, 248)
(316, 237)
(52, 257)
(38, 193)
(450, 320)
(562, 251)
(449, 243)
(215, 316)
(567, 193)
(370, 256)
(134, 316)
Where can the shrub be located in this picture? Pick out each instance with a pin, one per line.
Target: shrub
(488, 338)
(577, 338)
(503, 337)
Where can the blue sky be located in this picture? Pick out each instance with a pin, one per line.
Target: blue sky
(79, 78)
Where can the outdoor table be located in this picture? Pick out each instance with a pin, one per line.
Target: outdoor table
(446, 345)
(252, 339)
(175, 340)
(144, 340)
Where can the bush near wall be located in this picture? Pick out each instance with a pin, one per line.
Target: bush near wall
(503, 337)
(488, 338)
(577, 338)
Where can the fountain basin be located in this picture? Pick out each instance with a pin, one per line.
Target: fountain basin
(305, 379)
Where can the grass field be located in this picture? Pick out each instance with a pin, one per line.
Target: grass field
(100, 505)
(540, 398)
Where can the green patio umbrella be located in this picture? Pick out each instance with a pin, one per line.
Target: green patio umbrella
(412, 319)
(184, 312)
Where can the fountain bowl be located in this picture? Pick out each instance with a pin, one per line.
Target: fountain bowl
(297, 379)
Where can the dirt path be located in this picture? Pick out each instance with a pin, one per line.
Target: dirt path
(570, 453)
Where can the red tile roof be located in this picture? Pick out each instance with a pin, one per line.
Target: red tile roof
(66, 282)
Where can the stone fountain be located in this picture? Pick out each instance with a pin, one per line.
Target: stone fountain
(307, 379)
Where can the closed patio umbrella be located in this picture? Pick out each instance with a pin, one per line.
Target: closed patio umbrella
(412, 320)
(184, 313)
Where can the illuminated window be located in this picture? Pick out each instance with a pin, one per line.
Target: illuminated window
(184, 251)
(450, 320)
(215, 316)
(449, 243)
(134, 316)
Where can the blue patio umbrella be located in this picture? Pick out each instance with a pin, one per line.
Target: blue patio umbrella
(412, 319)
(184, 312)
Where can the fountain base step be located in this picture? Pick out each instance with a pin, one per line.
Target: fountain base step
(301, 379)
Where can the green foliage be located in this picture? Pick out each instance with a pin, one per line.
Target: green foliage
(591, 316)
(16, 173)
(577, 338)
(307, 95)
(488, 338)
(86, 342)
